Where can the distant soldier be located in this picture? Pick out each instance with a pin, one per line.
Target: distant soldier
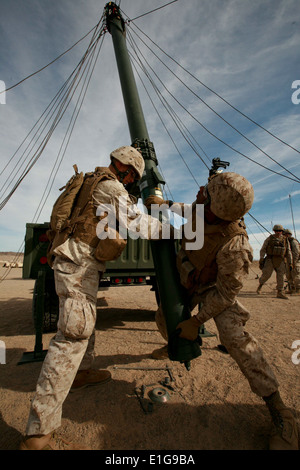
(277, 249)
(293, 275)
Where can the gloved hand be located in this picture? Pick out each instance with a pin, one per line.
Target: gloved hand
(154, 200)
(189, 328)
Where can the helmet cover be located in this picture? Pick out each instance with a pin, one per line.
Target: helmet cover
(130, 156)
(231, 195)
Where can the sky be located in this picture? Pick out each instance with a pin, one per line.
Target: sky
(224, 56)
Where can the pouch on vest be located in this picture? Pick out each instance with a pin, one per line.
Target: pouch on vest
(279, 251)
(110, 248)
(276, 248)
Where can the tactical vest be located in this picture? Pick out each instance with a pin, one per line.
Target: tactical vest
(276, 246)
(204, 260)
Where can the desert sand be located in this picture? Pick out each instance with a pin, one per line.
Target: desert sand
(210, 407)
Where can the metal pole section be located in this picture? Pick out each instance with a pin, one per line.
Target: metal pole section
(172, 295)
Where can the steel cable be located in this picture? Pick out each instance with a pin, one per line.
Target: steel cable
(295, 178)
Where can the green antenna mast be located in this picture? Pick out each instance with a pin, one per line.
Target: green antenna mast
(172, 294)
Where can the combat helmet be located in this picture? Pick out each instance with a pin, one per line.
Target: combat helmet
(287, 231)
(231, 195)
(130, 156)
(278, 227)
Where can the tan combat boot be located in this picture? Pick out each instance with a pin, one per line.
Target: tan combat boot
(161, 353)
(284, 435)
(49, 441)
(88, 377)
(281, 295)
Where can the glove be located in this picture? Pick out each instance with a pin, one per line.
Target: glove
(154, 200)
(189, 328)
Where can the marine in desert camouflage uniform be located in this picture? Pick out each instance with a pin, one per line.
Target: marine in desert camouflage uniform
(275, 254)
(293, 272)
(213, 276)
(77, 271)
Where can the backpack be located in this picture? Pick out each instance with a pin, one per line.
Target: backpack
(64, 218)
(64, 204)
(61, 212)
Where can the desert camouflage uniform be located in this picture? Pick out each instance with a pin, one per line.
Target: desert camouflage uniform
(276, 263)
(218, 301)
(77, 288)
(77, 275)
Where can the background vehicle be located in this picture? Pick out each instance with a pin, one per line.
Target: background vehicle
(134, 267)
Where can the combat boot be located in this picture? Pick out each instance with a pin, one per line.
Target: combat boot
(284, 435)
(88, 377)
(281, 295)
(161, 353)
(259, 289)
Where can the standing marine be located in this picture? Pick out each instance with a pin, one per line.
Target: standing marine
(274, 252)
(78, 266)
(293, 273)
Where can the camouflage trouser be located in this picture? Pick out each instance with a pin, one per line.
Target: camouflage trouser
(270, 265)
(293, 276)
(71, 348)
(242, 346)
(245, 350)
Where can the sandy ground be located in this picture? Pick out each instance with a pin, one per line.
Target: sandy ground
(211, 406)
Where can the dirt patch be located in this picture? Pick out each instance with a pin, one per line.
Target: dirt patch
(211, 406)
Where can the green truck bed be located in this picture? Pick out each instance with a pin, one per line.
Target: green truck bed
(134, 263)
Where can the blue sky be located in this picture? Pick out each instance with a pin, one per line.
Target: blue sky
(246, 51)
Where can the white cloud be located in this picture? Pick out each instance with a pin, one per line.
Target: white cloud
(293, 193)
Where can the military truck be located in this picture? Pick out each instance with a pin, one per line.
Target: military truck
(133, 268)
